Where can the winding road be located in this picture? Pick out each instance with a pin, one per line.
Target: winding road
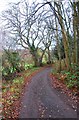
(40, 100)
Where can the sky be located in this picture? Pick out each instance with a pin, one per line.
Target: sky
(4, 3)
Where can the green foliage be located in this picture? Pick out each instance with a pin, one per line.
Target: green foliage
(6, 71)
(72, 77)
(28, 66)
(71, 80)
(13, 59)
(18, 80)
(11, 64)
(72, 83)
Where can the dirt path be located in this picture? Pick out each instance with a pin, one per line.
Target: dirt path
(40, 100)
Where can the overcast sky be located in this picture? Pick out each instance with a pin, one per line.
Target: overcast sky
(4, 3)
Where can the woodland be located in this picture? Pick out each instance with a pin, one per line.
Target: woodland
(49, 30)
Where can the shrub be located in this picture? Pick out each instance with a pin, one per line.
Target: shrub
(72, 78)
(11, 63)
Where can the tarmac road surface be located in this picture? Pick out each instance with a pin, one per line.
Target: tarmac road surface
(40, 100)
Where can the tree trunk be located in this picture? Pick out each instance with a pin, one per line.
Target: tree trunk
(66, 48)
(34, 56)
(41, 58)
(49, 57)
(76, 33)
(58, 46)
(65, 41)
(35, 59)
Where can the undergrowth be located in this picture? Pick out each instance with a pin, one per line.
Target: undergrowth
(11, 92)
(70, 78)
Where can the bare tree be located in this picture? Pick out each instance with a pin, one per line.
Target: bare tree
(31, 27)
(75, 10)
(27, 27)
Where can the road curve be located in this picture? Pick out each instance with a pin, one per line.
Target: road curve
(41, 101)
